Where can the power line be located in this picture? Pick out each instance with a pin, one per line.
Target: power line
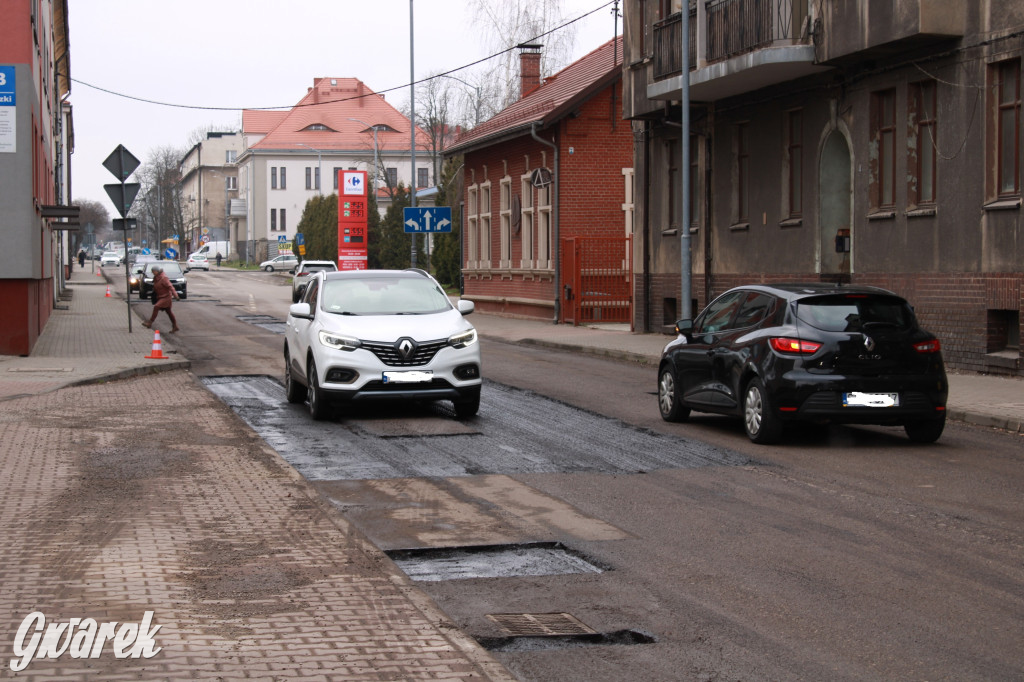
(343, 99)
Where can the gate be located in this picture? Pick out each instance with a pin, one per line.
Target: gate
(597, 282)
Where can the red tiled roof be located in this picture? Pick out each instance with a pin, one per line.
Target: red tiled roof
(331, 103)
(552, 100)
(255, 121)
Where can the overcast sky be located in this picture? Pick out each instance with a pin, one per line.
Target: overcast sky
(228, 55)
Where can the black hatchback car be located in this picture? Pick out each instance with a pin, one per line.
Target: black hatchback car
(815, 352)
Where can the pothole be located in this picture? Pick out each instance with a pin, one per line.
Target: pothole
(539, 643)
(268, 322)
(492, 561)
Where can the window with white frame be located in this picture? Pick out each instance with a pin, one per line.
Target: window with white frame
(230, 156)
(485, 224)
(526, 220)
(231, 182)
(505, 218)
(472, 224)
(628, 204)
(543, 248)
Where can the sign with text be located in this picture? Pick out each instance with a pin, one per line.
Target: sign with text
(8, 110)
(352, 221)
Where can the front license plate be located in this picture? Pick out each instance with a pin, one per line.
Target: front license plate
(871, 400)
(412, 377)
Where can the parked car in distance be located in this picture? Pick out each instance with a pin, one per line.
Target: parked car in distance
(286, 261)
(371, 335)
(110, 258)
(305, 270)
(816, 353)
(197, 261)
(173, 272)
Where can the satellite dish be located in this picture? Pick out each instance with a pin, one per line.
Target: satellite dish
(540, 178)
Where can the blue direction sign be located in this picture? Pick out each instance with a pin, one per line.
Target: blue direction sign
(428, 219)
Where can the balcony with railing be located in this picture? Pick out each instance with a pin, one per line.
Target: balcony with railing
(735, 46)
(738, 46)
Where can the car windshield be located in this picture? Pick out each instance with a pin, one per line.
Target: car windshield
(855, 312)
(383, 296)
(172, 270)
(316, 267)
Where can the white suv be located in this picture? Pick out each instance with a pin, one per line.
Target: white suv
(302, 273)
(365, 335)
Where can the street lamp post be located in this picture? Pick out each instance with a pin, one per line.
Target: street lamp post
(319, 166)
(476, 108)
(376, 152)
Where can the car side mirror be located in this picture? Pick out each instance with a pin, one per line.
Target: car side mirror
(684, 328)
(300, 310)
(466, 307)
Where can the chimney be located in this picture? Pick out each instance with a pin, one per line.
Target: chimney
(529, 68)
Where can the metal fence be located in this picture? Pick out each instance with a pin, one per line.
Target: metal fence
(733, 27)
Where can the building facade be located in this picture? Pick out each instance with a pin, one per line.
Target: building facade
(36, 142)
(289, 157)
(547, 196)
(866, 142)
(209, 181)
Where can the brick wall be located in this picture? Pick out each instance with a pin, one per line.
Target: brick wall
(594, 146)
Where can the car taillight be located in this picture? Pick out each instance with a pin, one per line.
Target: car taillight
(784, 344)
(932, 346)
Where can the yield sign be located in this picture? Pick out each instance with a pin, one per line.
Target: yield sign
(122, 195)
(121, 163)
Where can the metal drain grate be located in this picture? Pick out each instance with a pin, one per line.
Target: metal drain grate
(540, 624)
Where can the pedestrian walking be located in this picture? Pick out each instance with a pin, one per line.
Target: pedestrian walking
(81, 258)
(163, 295)
(219, 258)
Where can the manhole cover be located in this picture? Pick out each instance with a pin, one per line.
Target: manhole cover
(540, 624)
(500, 561)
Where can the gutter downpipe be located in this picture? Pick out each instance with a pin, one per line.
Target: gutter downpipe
(554, 226)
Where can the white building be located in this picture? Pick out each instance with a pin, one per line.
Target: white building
(288, 157)
(209, 181)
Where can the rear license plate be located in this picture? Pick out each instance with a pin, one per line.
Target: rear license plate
(871, 400)
(411, 377)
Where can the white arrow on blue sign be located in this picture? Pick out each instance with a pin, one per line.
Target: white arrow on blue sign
(427, 219)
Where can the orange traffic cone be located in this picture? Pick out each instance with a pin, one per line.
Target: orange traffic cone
(157, 353)
(99, 273)
(108, 292)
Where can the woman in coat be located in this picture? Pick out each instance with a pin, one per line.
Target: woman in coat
(165, 294)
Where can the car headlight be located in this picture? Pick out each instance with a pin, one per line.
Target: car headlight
(339, 342)
(462, 339)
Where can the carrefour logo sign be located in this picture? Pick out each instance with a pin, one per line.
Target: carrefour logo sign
(354, 182)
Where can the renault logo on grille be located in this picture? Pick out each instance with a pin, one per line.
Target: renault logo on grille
(406, 348)
(869, 343)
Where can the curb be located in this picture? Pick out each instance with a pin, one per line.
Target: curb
(1010, 424)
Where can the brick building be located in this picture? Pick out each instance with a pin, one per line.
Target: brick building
(868, 142)
(35, 147)
(547, 217)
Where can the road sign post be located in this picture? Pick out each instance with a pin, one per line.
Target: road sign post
(427, 219)
(122, 163)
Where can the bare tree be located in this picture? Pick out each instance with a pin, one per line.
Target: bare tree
(435, 114)
(159, 207)
(504, 24)
(92, 215)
